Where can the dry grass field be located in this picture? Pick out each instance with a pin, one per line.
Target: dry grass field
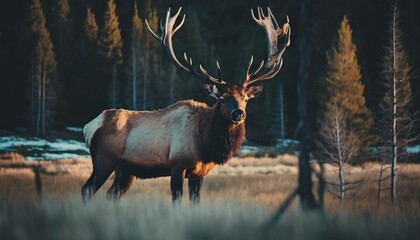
(237, 199)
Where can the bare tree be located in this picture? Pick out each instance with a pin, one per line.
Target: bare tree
(339, 143)
(397, 122)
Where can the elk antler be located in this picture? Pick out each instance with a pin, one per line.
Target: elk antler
(166, 40)
(278, 40)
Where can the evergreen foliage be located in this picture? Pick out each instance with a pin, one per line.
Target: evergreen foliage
(90, 27)
(110, 35)
(111, 49)
(62, 38)
(43, 71)
(152, 71)
(86, 72)
(136, 62)
(343, 84)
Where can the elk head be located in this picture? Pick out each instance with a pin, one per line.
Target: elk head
(232, 99)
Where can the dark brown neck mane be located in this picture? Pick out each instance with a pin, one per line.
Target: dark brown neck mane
(220, 139)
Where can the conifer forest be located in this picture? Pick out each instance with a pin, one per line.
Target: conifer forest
(63, 62)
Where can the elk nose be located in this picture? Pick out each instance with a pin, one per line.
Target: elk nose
(238, 115)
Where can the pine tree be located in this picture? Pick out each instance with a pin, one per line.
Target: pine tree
(343, 84)
(135, 61)
(43, 71)
(152, 63)
(89, 80)
(61, 30)
(111, 50)
(90, 27)
(397, 122)
(62, 38)
(198, 50)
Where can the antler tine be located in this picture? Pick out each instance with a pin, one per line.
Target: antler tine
(262, 12)
(219, 71)
(286, 28)
(249, 66)
(278, 41)
(150, 30)
(274, 19)
(258, 20)
(204, 72)
(175, 17)
(165, 39)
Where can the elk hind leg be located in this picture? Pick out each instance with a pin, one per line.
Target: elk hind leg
(99, 175)
(88, 188)
(120, 186)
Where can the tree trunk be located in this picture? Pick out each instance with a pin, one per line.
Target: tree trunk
(340, 158)
(34, 94)
(114, 85)
(305, 185)
(39, 86)
(321, 185)
(283, 144)
(134, 80)
(342, 181)
(144, 91)
(44, 79)
(394, 117)
(378, 200)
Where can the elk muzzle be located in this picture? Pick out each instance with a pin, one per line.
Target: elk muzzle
(237, 115)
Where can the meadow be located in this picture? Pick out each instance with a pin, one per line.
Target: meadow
(238, 199)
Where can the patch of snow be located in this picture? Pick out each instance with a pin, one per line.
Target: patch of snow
(74, 129)
(59, 145)
(68, 145)
(246, 150)
(52, 156)
(413, 149)
(286, 143)
(13, 141)
(33, 148)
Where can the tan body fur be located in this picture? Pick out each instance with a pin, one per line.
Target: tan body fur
(162, 138)
(182, 138)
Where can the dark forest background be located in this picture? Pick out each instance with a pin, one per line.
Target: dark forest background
(214, 30)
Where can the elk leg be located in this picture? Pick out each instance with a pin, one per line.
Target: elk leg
(87, 189)
(121, 184)
(177, 180)
(194, 186)
(99, 175)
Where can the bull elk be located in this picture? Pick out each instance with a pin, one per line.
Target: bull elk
(186, 139)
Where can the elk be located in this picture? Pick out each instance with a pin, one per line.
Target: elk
(186, 139)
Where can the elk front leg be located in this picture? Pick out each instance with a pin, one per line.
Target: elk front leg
(177, 180)
(194, 186)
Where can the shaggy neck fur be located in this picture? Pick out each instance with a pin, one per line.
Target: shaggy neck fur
(221, 138)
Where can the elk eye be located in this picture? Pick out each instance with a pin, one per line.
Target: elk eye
(222, 100)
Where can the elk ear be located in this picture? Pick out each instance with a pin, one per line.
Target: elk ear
(213, 91)
(254, 91)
